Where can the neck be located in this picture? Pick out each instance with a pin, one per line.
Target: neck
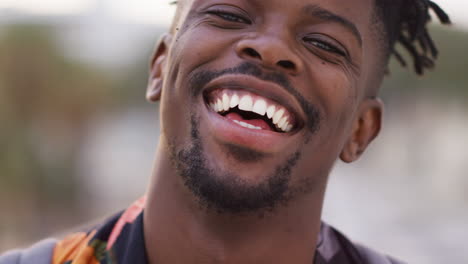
(178, 230)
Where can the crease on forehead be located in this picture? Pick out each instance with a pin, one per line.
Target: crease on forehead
(326, 15)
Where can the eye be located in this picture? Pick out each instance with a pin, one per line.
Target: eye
(326, 46)
(230, 17)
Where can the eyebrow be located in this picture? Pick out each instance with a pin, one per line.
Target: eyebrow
(326, 15)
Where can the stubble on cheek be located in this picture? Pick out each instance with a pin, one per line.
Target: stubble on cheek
(220, 190)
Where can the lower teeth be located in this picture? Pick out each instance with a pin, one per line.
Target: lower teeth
(247, 125)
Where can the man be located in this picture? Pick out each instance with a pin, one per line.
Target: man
(258, 100)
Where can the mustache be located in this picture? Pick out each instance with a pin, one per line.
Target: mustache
(199, 80)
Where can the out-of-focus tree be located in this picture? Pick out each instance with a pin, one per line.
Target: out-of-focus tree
(45, 102)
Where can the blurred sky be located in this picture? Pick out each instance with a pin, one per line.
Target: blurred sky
(156, 11)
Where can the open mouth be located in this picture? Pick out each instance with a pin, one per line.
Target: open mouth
(250, 110)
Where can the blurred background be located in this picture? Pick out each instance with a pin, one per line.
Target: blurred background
(77, 137)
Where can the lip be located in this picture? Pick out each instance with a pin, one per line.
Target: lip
(262, 88)
(227, 132)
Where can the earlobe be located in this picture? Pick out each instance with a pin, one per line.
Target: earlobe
(154, 90)
(156, 74)
(365, 129)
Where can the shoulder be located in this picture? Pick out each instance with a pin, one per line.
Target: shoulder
(371, 256)
(80, 245)
(336, 248)
(53, 251)
(39, 253)
(91, 245)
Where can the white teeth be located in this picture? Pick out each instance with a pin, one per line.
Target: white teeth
(219, 105)
(282, 122)
(278, 115)
(270, 111)
(226, 102)
(246, 125)
(285, 126)
(260, 107)
(234, 101)
(246, 103)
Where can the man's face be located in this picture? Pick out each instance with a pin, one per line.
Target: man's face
(261, 97)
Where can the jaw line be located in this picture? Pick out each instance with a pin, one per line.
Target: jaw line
(230, 194)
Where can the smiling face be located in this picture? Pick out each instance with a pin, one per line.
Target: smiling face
(259, 98)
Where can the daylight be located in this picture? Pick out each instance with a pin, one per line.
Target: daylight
(155, 11)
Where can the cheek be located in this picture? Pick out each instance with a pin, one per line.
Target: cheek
(333, 91)
(199, 45)
(189, 51)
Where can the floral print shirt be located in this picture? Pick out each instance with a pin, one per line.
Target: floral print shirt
(120, 240)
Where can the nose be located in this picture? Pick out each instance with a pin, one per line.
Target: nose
(271, 51)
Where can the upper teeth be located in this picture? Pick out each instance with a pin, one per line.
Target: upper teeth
(260, 107)
(226, 100)
(246, 103)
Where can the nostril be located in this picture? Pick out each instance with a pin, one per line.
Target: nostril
(287, 64)
(252, 53)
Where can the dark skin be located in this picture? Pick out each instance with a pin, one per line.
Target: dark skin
(330, 61)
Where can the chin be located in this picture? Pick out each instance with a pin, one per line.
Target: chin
(222, 190)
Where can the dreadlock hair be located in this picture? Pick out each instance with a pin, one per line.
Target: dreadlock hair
(405, 23)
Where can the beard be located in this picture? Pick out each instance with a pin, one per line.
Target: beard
(226, 192)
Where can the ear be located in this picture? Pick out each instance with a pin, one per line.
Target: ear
(365, 129)
(156, 74)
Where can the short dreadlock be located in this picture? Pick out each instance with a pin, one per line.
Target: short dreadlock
(405, 22)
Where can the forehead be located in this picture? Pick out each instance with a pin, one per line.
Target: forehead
(357, 11)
